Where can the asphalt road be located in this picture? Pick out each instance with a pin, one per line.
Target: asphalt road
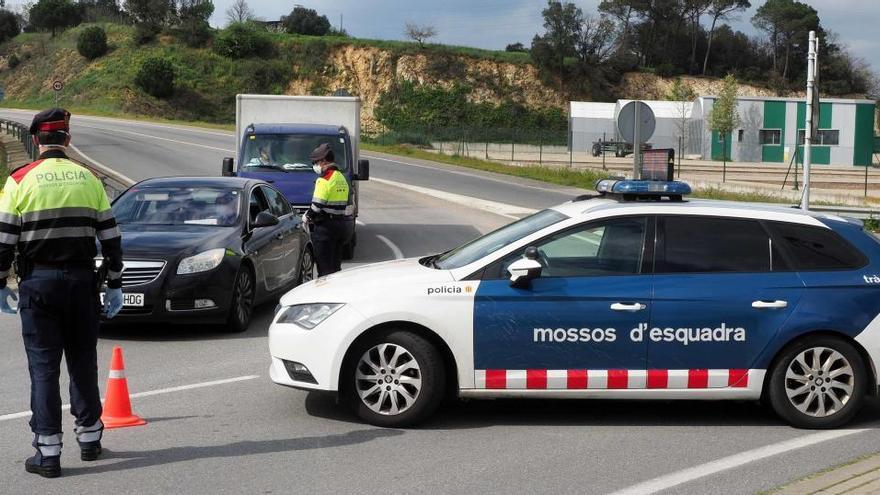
(218, 425)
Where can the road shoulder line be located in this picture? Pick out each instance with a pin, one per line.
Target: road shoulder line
(734, 461)
(505, 210)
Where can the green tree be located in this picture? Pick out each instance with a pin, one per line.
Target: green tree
(92, 42)
(562, 26)
(194, 15)
(156, 77)
(787, 23)
(516, 47)
(307, 21)
(724, 116)
(54, 15)
(150, 16)
(718, 10)
(683, 96)
(9, 25)
(243, 40)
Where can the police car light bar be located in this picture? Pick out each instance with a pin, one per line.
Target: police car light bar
(647, 189)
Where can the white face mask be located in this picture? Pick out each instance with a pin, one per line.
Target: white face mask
(317, 169)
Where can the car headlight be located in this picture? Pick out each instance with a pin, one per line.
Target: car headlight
(201, 262)
(307, 316)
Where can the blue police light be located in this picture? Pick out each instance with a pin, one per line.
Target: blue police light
(643, 188)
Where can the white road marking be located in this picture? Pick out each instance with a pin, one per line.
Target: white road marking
(104, 168)
(686, 475)
(26, 414)
(359, 223)
(502, 209)
(398, 254)
(466, 174)
(158, 138)
(176, 127)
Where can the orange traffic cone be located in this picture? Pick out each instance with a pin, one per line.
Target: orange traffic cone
(117, 405)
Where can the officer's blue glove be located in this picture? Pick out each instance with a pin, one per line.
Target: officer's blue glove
(112, 302)
(5, 294)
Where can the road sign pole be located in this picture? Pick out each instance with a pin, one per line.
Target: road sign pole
(808, 127)
(637, 143)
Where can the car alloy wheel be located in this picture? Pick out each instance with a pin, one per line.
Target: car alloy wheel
(388, 379)
(242, 301)
(819, 382)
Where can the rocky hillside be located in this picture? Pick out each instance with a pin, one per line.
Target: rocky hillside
(207, 82)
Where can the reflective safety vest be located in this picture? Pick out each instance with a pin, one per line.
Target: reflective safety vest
(331, 194)
(52, 210)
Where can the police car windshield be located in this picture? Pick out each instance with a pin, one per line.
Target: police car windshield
(178, 206)
(489, 243)
(289, 152)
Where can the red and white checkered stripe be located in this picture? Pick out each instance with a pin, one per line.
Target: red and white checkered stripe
(611, 379)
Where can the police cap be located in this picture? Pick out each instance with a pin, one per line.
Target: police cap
(51, 120)
(322, 152)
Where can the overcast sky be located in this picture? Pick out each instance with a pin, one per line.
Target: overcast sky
(495, 23)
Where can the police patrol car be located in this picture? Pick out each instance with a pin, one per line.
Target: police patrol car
(632, 294)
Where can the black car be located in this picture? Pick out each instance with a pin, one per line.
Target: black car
(207, 249)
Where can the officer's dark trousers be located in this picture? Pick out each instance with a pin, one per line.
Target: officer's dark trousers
(60, 314)
(329, 237)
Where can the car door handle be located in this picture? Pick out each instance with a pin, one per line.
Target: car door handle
(280, 237)
(631, 307)
(769, 304)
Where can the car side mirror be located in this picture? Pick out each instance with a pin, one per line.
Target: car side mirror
(524, 270)
(227, 168)
(265, 219)
(363, 171)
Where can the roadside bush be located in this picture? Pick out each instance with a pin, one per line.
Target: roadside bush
(243, 40)
(92, 42)
(13, 61)
(9, 25)
(264, 76)
(156, 77)
(145, 33)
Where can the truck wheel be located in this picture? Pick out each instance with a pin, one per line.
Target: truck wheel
(395, 379)
(348, 249)
(819, 382)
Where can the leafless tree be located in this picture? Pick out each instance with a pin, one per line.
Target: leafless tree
(419, 33)
(239, 11)
(595, 41)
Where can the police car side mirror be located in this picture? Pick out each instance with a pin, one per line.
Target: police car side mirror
(524, 270)
(363, 170)
(265, 219)
(226, 169)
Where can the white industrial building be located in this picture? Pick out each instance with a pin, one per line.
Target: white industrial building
(771, 129)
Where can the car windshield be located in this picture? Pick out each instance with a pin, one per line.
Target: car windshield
(289, 152)
(178, 205)
(489, 243)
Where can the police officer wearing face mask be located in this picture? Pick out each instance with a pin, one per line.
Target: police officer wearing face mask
(328, 216)
(51, 211)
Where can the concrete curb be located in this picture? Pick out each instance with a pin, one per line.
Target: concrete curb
(855, 478)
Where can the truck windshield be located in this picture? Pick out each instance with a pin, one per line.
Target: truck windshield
(489, 243)
(289, 152)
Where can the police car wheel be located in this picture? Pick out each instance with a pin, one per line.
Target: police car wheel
(396, 379)
(819, 382)
(242, 305)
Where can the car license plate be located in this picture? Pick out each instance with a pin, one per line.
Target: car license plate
(129, 299)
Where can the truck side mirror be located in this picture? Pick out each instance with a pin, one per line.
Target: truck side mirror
(524, 270)
(226, 169)
(363, 171)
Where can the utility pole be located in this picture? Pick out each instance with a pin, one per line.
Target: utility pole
(637, 142)
(812, 101)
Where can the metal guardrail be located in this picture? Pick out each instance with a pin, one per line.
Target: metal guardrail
(22, 133)
(112, 186)
(849, 211)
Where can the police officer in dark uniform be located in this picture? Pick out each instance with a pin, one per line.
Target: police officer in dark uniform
(51, 211)
(329, 217)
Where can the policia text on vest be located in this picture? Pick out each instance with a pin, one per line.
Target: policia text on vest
(51, 211)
